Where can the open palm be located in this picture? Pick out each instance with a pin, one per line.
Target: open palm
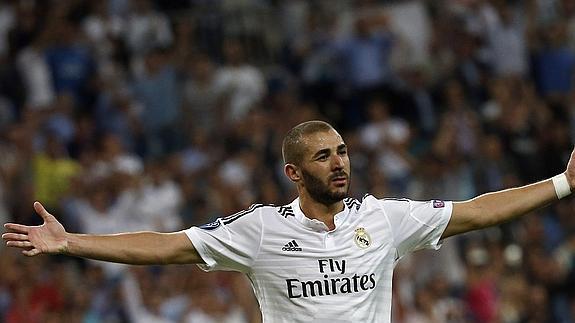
(570, 172)
(50, 237)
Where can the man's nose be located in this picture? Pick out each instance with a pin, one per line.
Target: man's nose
(337, 162)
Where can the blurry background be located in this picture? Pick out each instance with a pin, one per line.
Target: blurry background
(124, 115)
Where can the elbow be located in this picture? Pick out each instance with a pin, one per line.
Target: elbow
(481, 217)
(490, 218)
(476, 222)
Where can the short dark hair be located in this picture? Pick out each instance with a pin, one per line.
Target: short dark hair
(292, 148)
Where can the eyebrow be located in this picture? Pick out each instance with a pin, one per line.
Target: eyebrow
(328, 150)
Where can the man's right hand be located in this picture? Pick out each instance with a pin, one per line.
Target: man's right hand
(48, 238)
(135, 248)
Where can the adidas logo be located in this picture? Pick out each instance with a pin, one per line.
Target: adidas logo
(291, 246)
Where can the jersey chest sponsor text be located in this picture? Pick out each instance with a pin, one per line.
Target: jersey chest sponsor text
(333, 280)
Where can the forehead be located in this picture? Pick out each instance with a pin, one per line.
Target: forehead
(322, 140)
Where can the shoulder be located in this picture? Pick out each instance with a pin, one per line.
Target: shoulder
(370, 199)
(254, 214)
(248, 215)
(370, 203)
(388, 204)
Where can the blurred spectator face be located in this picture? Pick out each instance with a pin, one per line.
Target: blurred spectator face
(454, 95)
(534, 231)
(67, 32)
(158, 173)
(26, 16)
(16, 134)
(64, 103)
(362, 26)
(378, 111)
(492, 147)
(233, 52)
(499, 90)
(556, 34)
(568, 7)
(111, 145)
(99, 197)
(565, 210)
(466, 46)
(99, 8)
(416, 77)
(54, 148)
(505, 13)
(201, 68)
(154, 61)
(538, 298)
(517, 286)
(141, 6)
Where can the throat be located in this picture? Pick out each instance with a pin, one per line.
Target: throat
(328, 220)
(323, 213)
(330, 223)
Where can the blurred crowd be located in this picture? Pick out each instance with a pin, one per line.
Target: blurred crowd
(124, 115)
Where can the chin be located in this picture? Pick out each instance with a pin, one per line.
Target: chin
(344, 190)
(340, 194)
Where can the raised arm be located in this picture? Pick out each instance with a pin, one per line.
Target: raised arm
(136, 248)
(502, 206)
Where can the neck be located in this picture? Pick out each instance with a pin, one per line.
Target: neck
(319, 211)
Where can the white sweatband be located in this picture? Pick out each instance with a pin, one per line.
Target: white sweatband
(561, 185)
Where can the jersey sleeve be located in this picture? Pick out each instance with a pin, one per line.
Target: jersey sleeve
(230, 243)
(416, 224)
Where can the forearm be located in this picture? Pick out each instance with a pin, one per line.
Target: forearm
(498, 207)
(503, 206)
(138, 248)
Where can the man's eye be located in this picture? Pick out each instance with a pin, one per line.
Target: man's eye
(322, 158)
(343, 152)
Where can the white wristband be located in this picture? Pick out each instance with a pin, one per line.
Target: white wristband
(561, 185)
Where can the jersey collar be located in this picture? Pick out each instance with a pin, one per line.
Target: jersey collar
(317, 225)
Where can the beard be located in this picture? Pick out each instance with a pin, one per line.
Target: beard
(320, 191)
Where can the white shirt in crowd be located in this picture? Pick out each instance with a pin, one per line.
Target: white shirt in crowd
(244, 85)
(303, 272)
(36, 76)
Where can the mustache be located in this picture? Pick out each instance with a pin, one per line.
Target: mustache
(338, 174)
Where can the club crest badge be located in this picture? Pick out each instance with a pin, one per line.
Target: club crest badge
(361, 238)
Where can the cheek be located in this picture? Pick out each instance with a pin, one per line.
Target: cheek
(317, 168)
(347, 163)
(318, 172)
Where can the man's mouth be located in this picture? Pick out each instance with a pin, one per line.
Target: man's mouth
(339, 180)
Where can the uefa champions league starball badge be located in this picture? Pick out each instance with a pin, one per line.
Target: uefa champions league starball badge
(361, 238)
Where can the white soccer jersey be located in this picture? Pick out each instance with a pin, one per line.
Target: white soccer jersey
(302, 272)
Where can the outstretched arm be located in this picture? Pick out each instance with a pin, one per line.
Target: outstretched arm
(137, 248)
(502, 206)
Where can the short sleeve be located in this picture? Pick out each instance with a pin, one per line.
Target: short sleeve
(230, 243)
(416, 224)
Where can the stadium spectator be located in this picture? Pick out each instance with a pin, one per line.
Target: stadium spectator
(146, 28)
(156, 89)
(242, 84)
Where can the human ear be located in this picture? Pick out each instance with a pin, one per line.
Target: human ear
(292, 172)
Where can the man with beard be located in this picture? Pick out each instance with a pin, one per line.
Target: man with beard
(323, 257)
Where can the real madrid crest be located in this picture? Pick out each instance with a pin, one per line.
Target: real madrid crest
(361, 238)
